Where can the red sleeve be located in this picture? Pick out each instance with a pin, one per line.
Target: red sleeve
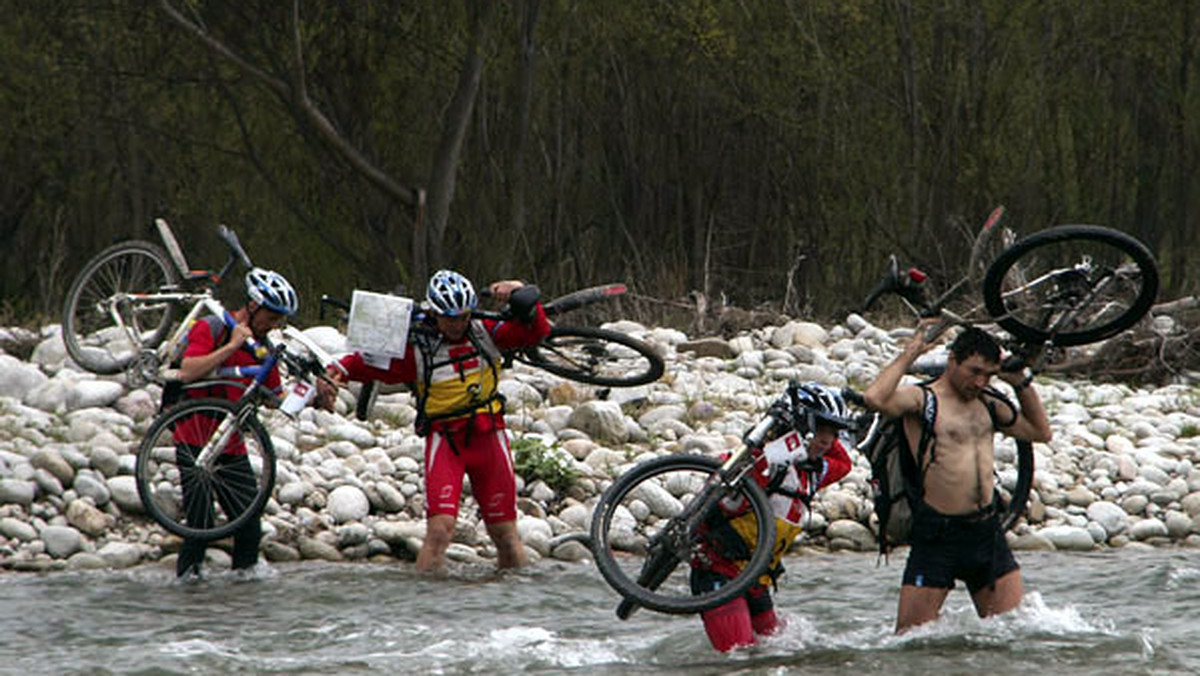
(838, 463)
(509, 334)
(199, 340)
(399, 371)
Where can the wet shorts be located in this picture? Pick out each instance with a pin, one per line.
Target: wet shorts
(946, 548)
(482, 455)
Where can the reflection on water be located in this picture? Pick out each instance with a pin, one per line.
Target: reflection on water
(1111, 613)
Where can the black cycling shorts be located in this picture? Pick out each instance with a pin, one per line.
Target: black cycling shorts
(947, 548)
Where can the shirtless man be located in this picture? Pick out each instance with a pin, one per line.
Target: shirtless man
(956, 532)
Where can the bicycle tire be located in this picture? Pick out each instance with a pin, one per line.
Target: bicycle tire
(219, 501)
(645, 586)
(1010, 312)
(577, 299)
(595, 356)
(366, 400)
(1020, 495)
(89, 333)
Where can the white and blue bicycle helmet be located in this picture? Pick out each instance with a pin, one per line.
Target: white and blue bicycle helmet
(270, 290)
(450, 294)
(823, 404)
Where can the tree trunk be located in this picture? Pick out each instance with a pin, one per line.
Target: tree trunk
(443, 178)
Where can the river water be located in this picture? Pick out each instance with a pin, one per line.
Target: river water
(1110, 613)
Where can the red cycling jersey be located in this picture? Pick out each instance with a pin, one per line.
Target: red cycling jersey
(202, 340)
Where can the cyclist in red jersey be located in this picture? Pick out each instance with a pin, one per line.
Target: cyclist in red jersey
(792, 468)
(210, 344)
(460, 412)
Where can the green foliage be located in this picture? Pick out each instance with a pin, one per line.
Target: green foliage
(534, 460)
(1189, 430)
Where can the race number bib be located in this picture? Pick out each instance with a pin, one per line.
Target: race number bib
(784, 450)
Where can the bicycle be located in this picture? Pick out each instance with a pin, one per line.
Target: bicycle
(207, 465)
(585, 354)
(641, 557)
(123, 304)
(1064, 286)
(1042, 297)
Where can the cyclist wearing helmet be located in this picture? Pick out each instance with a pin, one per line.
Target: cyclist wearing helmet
(792, 468)
(455, 370)
(210, 344)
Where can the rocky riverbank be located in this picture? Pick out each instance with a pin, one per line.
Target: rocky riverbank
(1122, 470)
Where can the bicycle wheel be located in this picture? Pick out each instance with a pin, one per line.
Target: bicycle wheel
(595, 356)
(648, 525)
(91, 334)
(204, 502)
(1071, 285)
(366, 400)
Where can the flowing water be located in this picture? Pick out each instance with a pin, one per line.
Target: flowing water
(1107, 613)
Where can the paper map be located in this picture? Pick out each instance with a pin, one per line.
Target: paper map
(378, 324)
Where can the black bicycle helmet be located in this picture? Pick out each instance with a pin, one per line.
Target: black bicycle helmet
(822, 404)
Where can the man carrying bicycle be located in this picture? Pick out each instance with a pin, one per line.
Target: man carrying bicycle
(792, 469)
(211, 344)
(455, 369)
(956, 532)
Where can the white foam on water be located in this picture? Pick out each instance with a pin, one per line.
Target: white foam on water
(1182, 577)
(524, 644)
(195, 647)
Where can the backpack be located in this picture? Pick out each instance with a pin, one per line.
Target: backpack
(897, 481)
(897, 474)
(172, 391)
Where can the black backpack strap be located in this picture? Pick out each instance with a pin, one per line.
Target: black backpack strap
(992, 398)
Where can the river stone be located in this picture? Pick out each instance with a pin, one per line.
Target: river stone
(54, 463)
(1034, 542)
(61, 541)
(48, 483)
(1080, 496)
(860, 537)
(1177, 524)
(312, 548)
(660, 501)
(125, 494)
(359, 436)
(395, 533)
(1134, 504)
(87, 519)
(1191, 504)
(86, 561)
(708, 347)
(94, 394)
(120, 554)
(15, 529)
(571, 551)
(1099, 535)
(578, 517)
(279, 552)
(1070, 538)
(87, 485)
(106, 461)
(536, 534)
(348, 503)
(1148, 528)
(17, 491)
(353, 534)
(391, 500)
(1110, 517)
(601, 420)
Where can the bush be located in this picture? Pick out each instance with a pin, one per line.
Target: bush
(534, 460)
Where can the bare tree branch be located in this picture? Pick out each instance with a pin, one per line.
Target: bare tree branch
(297, 97)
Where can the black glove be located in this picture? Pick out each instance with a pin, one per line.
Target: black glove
(810, 465)
(522, 303)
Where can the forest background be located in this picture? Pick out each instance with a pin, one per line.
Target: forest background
(760, 153)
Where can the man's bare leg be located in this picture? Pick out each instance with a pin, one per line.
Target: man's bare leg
(439, 529)
(1006, 595)
(510, 553)
(918, 605)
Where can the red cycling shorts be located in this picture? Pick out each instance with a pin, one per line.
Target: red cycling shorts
(482, 455)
